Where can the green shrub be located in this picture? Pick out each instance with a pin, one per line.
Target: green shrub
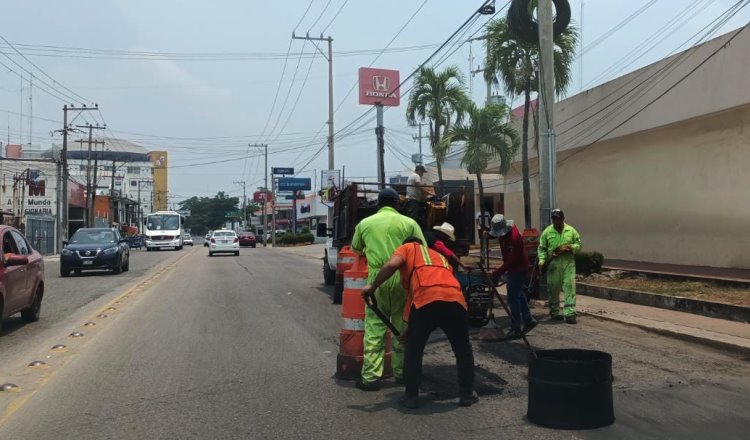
(290, 238)
(589, 262)
(305, 229)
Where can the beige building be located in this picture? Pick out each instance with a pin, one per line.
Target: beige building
(654, 178)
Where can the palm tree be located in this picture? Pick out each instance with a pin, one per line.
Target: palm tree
(517, 64)
(438, 97)
(487, 136)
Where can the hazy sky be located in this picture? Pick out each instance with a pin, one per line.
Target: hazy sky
(213, 93)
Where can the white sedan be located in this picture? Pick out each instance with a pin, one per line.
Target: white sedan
(187, 240)
(224, 241)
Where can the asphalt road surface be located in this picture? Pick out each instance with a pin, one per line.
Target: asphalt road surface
(245, 347)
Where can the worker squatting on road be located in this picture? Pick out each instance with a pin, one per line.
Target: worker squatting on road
(433, 300)
(376, 237)
(558, 245)
(515, 267)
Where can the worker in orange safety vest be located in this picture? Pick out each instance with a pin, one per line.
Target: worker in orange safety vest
(434, 300)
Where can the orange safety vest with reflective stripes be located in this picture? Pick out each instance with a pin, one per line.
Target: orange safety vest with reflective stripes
(427, 277)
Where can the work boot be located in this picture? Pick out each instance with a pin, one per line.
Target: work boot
(556, 317)
(514, 334)
(410, 402)
(468, 399)
(368, 386)
(570, 319)
(529, 326)
(400, 381)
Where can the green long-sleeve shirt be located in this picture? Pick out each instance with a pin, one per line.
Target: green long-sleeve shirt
(380, 234)
(551, 240)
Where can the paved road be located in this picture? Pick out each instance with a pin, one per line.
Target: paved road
(245, 347)
(66, 297)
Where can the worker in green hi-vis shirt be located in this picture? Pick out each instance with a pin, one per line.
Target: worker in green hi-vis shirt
(376, 237)
(558, 245)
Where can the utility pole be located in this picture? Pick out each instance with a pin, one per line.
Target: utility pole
(420, 137)
(112, 196)
(488, 81)
(265, 187)
(330, 101)
(243, 223)
(380, 133)
(547, 155)
(64, 160)
(90, 185)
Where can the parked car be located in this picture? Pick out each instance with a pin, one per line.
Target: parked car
(225, 241)
(187, 240)
(95, 249)
(247, 239)
(21, 277)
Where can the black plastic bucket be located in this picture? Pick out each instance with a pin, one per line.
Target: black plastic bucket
(571, 389)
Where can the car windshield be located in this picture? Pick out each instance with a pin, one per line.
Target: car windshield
(224, 234)
(163, 222)
(89, 236)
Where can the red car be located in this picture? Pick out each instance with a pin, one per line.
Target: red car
(21, 277)
(247, 239)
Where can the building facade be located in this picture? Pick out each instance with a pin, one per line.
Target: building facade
(652, 166)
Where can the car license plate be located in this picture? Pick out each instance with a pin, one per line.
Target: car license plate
(88, 263)
(225, 241)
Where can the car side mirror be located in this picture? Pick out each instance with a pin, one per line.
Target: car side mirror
(123, 240)
(65, 242)
(17, 260)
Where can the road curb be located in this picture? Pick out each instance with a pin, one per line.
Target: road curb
(722, 345)
(711, 309)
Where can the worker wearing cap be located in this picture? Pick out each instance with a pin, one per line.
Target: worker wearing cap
(416, 195)
(434, 300)
(516, 266)
(376, 237)
(558, 245)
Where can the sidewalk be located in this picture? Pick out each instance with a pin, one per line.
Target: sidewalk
(720, 333)
(314, 251)
(702, 272)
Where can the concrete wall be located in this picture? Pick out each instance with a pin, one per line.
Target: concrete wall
(676, 194)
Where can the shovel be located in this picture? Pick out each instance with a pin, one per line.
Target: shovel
(505, 306)
(379, 313)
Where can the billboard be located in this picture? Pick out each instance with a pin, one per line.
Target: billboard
(159, 161)
(379, 86)
(295, 184)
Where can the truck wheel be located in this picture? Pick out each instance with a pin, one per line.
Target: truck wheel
(329, 275)
(338, 295)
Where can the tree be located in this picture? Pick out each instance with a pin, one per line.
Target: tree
(517, 64)
(208, 213)
(438, 97)
(487, 136)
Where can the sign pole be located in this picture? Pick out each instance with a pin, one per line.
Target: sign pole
(379, 131)
(273, 211)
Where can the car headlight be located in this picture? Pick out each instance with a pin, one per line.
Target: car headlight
(66, 252)
(110, 251)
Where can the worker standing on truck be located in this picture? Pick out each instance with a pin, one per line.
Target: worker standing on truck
(416, 195)
(376, 237)
(558, 245)
(434, 300)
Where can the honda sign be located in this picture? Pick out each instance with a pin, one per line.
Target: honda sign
(379, 86)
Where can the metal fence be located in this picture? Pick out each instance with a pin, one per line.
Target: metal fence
(40, 231)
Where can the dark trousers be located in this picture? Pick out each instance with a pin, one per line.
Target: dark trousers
(416, 210)
(519, 305)
(453, 320)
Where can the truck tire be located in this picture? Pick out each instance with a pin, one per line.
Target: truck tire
(338, 295)
(329, 275)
